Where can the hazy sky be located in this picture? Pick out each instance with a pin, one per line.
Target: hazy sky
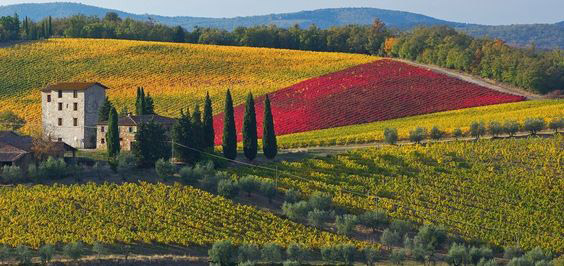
(471, 11)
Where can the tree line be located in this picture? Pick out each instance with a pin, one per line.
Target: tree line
(539, 71)
(192, 137)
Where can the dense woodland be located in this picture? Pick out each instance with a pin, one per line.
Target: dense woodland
(536, 70)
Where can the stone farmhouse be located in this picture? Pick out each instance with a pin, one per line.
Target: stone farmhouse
(128, 127)
(70, 112)
(18, 150)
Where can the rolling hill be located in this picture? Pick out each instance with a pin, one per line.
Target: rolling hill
(546, 36)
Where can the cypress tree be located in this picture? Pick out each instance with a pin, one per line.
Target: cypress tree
(149, 145)
(269, 145)
(112, 136)
(209, 133)
(50, 27)
(181, 134)
(197, 132)
(149, 105)
(105, 109)
(140, 102)
(250, 129)
(229, 131)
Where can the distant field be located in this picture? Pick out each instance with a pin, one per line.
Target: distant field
(448, 121)
(506, 192)
(381, 90)
(142, 213)
(177, 75)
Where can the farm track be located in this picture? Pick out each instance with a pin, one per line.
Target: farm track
(497, 86)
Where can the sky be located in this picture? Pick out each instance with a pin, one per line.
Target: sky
(492, 12)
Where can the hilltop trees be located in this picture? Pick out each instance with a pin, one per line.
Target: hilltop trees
(229, 131)
(112, 136)
(144, 104)
(269, 145)
(250, 144)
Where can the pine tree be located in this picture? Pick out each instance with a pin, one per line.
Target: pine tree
(105, 109)
(112, 136)
(140, 102)
(149, 105)
(229, 131)
(269, 145)
(197, 131)
(209, 133)
(250, 129)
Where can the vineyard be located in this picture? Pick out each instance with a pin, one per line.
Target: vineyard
(141, 213)
(505, 192)
(176, 75)
(447, 121)
(376, 91)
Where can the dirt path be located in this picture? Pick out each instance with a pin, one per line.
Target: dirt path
(477, 80)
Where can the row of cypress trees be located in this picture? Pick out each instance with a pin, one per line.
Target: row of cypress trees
(250, 138)
(144, 104)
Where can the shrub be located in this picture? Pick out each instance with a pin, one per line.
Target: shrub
(318, 218)
(521, 261)
(53, 168)
(5, 253)
(511, 128)
(537, 254)
(496, 128)
(99, 249)
(556, 124)
(223, 253)
(249, 184)
(417, 135)
(23, 255)
(292, 196)
(534, 125)
(370, 255)
(296, 252)
(249, 253)
(477, 129)
(348, 253)
(512, 252)
(477, 254)
(227, 188)
(391, 135)
(46, 253)
(33, 171)
(74, 250)
(126, 161)
(271, 253)
(165, 169)
(484, 262)
(436, 133)
(374, 219)
(320, 201)
(457, 255)
(296, 211)
(330, 254)
(457, 133)
(397, 256)
(11, 174)
(268, 189)
(390, 238)
(401, 226)
(210, 182)
(345, 224)
(430, 235)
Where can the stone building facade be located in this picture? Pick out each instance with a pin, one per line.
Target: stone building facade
(128, 126)
(70, 112)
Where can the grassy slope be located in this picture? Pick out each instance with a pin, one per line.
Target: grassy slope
(177, 75)
(142, 213)
(445, 120)
(505, 192)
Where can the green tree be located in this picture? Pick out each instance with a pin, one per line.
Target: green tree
(457, 255)
(397, 256)
(164, 168)
(74, 250)
(249, 253)
(534, 125)
(417, 135)
(496, 128)
(249, 184)
(229, 132)
(23, 255)
(179, 34)
(390, 238)
(391, 135)
(296, 252)
(140, 101)
(374, 220)
(271, 253)
(268, 189)
(371, 255)
(197, 132)
(477, 129)
(556, 124)
(346, 224)
(250, 144)
(209, 134)
(10, 121)
(436, 133)
(112, 136)
(182, 139)
(223, 253)
(105, 109)
(46, 253)
(150, 144)
(457, 133)
(511, 128)
(269, 145)
(149, 107)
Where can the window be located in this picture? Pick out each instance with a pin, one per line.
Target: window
(60, 139)
(75, 106)
(48, 98)
(60, 121)
(75, 94)
(120, 139)
(60, 93)
(60, 106)
(130, 129)
(103, 129)
(103, 140)
(75, 122)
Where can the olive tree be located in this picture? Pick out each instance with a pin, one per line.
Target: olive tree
(534, 125)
